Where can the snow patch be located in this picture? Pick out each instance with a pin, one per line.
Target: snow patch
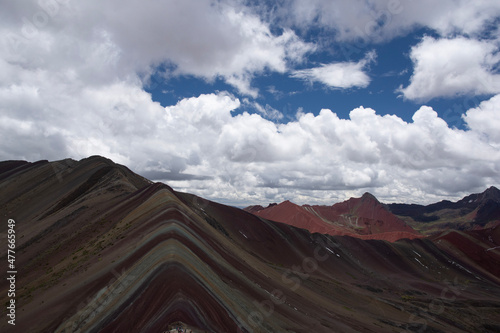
(332, 252)
(421, 263)
(464, 269)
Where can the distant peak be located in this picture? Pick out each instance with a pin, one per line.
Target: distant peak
(492, 193)
(492, 189)
(98, 158)
(287, 203)
(369, 196)
(253, 209)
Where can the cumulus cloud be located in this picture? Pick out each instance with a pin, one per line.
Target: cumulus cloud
(99, 41)
(266, 111)
(322, 157)
(377, 21)
(202, 38)
(339, 75)
(197, 145)
(485, 120)
(450, 67)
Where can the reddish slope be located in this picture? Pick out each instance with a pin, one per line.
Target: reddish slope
(475, 247)
(372, 216)
(297, 216)
(363, 217)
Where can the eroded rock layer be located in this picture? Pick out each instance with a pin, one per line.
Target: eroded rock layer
(101, 249)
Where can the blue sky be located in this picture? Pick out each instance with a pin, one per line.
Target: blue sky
(391, 68)
(250, 102)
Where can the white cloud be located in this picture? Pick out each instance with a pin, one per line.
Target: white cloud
(451, 67)
(485, 120)
(199, 146)
(267, 111)
(100, 41)
(339, 75)
(202, 38)
(383, 20)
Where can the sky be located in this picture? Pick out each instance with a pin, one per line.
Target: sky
(252, 102)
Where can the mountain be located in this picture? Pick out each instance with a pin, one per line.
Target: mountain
(364, 218)
(102, 249)
(475, 211)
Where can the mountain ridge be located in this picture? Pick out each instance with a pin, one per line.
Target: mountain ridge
(363, 217)
(478, 210)
(117, 242)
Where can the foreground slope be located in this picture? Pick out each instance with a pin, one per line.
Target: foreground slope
(100, 249)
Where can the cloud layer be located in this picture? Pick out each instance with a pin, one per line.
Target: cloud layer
(206, 39)
(315, 156)
(197, 145)
(72, 78)
(451, 67)
(339, 75)
(383, 20)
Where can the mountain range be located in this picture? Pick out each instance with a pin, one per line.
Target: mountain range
(367, 218)
(99, 248)
(364, 218)
(475, 211)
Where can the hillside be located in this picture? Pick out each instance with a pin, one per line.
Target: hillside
(363, 217)
(101, 249)
(475, 211)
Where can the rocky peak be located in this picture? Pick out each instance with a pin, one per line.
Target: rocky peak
(492, 193)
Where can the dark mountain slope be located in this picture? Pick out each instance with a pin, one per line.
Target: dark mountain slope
(100, 249)
(481, 210)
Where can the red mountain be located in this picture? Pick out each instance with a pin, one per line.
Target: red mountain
(474, 247)
(363, 217)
